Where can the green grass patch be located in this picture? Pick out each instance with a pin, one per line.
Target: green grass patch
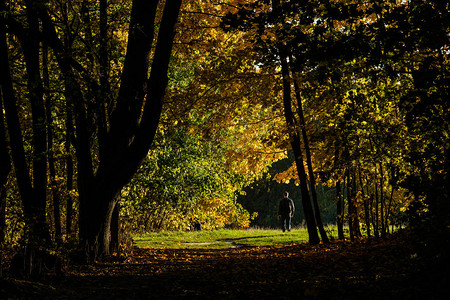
(219, 239)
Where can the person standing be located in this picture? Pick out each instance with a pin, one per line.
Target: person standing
(286, 211)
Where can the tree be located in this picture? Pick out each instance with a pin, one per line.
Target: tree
(123, 138)
(5, 160)
(130, 135)
(184, 180)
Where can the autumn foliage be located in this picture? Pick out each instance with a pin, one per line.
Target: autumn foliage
(121, 117)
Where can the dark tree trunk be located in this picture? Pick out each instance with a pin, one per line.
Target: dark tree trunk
(69, 170)
(389, 207)
(382, 213)
(376, 228)
(339, 196)
(33, 192)
(350, 206)
(2, 212)
(340, 218)
(365, 203)
(312, 177)
(104, 96)
(35, 206)
(51, 159)
(296, 148)
(33, 198)
(357, 228)
(115, 229)
(128, 140)
(12, 119)
(5, 161)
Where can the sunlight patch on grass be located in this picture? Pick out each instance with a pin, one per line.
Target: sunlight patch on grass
(219, 239)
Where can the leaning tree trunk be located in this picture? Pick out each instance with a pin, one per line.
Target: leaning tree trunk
(312, 177)
(296, 148)
(51, 159)
(5, 162)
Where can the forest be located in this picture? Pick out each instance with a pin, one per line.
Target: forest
(119, 118)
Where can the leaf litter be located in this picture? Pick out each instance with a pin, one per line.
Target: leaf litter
(367, 269)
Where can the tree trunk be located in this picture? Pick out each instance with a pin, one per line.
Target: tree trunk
(128, 140)
(5, 162)
(382, 214)
(355, 207)
(33, 198)
(104, 82)
(340, 218)
(51, 159)
(133, 121)
(350, 206)
(339, 196)
(376, 227)
(296, 148)
(115, 229)
(33, 192)
(69, 172)
(388, 211)
(312, 177)
(365, 203)
(35, 206)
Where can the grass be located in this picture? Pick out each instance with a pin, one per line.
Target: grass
(220, 239)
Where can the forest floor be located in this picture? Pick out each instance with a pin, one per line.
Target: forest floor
(389, 268)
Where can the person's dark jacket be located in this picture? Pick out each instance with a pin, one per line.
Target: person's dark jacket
(286, 207)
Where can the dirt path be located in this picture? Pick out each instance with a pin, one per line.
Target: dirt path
(366, 270)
